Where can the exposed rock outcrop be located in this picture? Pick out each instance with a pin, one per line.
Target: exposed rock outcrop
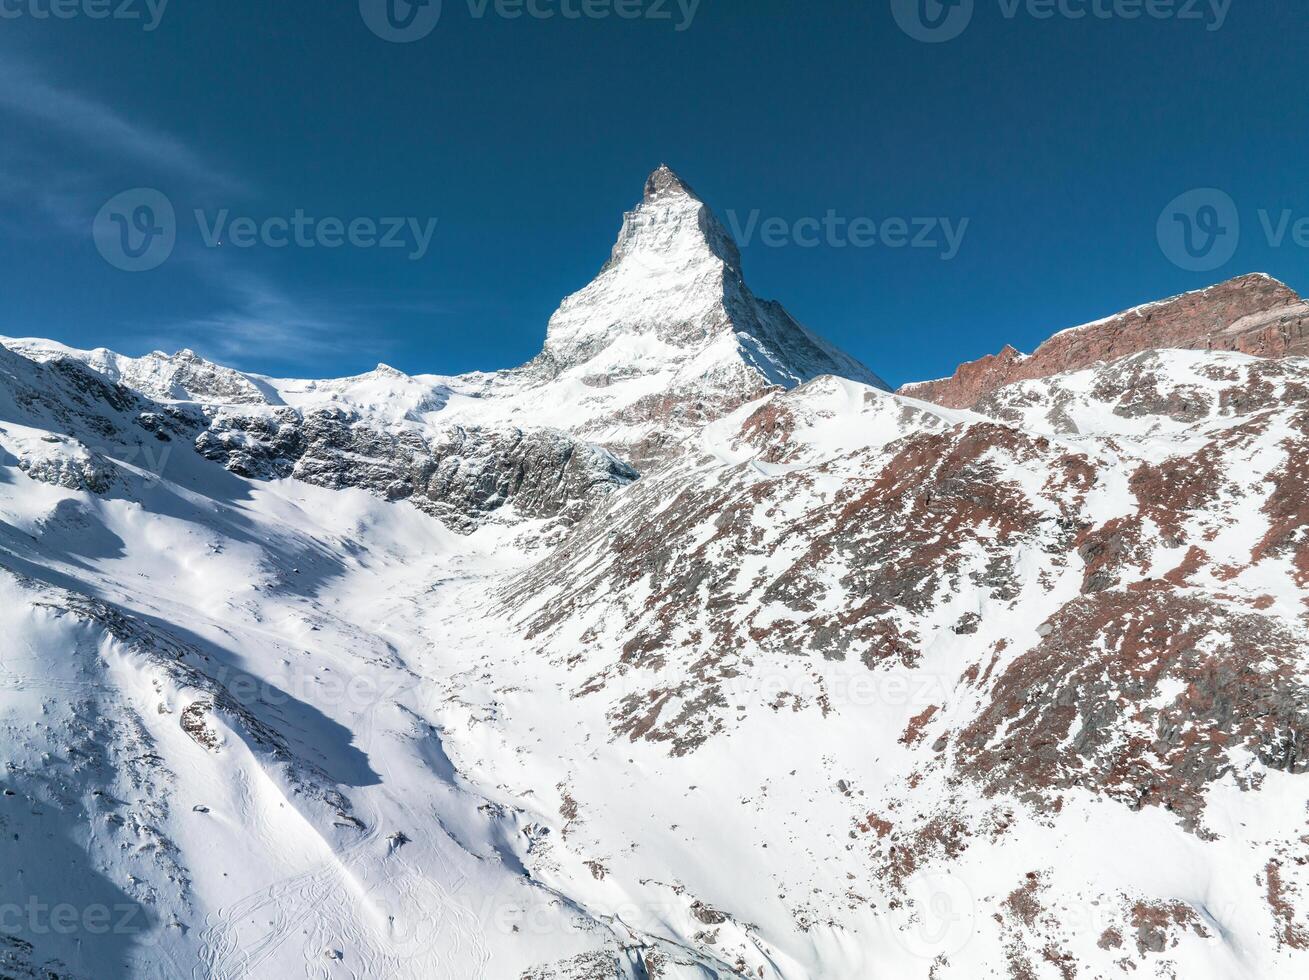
(1252, 314)
(459, 475)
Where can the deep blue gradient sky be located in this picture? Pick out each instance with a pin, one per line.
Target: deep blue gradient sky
(1059, 140)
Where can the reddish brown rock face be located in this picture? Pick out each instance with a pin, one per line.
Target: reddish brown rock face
(1252, 314)
(1229, 678)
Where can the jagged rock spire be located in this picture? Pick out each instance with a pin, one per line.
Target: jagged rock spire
(663, 180)
(674, 278)
(671, 219)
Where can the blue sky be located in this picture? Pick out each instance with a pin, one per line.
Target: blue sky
(1060, 140)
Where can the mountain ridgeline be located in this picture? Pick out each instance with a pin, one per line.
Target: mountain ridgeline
(686, 649)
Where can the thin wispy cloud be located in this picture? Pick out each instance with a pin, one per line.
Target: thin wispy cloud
(24, 93)
(59, 193)
(261, 321)
(68, 153)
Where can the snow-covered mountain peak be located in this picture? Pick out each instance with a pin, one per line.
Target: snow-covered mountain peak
(671, 227)
(666, 338)
(664, 181)
(414, 676)
(181, 377)
(672, 218)
(672, 299)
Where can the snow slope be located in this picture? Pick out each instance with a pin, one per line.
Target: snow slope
(415, 677)
(665, 338)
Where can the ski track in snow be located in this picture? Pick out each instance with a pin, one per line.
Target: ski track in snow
(321, 908)
(594, 739)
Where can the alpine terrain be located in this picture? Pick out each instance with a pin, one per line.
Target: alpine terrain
(685, 650)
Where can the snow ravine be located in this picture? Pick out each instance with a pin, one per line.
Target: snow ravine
(685, 650)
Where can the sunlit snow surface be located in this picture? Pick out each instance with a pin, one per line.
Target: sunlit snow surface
(260, 728)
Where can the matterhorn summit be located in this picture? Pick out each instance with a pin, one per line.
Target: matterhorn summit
(671, 321)
(684, 651)
(666, 338)
(672, 290)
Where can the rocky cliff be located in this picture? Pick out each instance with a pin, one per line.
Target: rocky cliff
(1251, 314)
(392, 676)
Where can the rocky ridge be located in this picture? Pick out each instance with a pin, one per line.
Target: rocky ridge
(459, 475)
(1252, 314)
(1002, 676)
